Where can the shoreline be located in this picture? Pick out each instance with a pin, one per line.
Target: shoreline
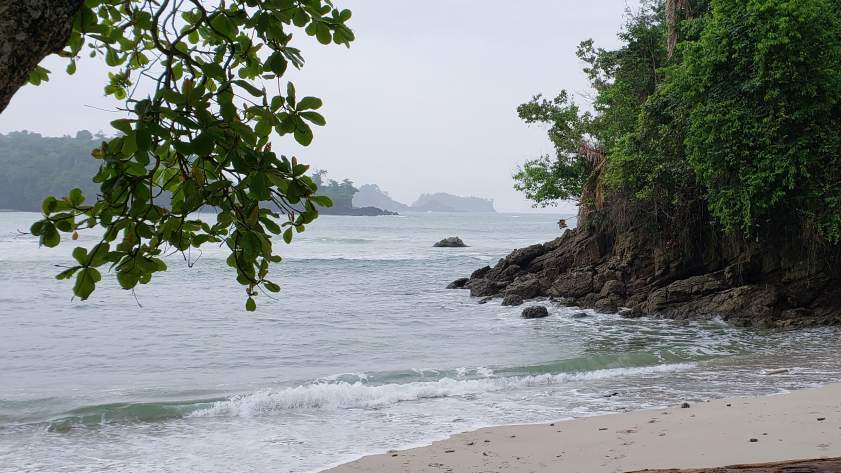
(802, 424)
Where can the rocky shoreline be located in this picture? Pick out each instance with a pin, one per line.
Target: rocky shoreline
(624, 271)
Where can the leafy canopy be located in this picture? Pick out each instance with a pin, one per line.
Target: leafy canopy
(741, 119)
(199, 140)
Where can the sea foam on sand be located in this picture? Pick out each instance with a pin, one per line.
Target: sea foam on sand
(798, 425)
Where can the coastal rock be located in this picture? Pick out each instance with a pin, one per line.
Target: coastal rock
(624, 266)
(535, 312)
(480, 273)
(579, 315)
(512, 299)
(484, 287)
(605, 306)
(526, 287)
(450, 242)
(458, 283)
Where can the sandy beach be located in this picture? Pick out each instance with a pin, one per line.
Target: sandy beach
(798, 425)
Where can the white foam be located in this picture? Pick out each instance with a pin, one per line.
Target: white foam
(344, 395)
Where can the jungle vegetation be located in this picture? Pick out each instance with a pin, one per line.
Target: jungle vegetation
(726, 108)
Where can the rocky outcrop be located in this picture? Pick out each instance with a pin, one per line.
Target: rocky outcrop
(450, 242)
(535, 312)
(633, 271)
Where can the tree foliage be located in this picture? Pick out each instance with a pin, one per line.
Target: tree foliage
(200, 138)
(547, 179)
(743, 116)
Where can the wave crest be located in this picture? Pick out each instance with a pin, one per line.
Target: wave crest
(346, 395)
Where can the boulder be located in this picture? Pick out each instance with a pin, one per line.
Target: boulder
(458, 283)
(525, 287)
(512, 299)
(605, 306)
(579, 315)
(480, 273)
(573, 284)
(484, 287)
(450, 242)
(535, 312)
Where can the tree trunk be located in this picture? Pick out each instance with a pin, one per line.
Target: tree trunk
(30, 30)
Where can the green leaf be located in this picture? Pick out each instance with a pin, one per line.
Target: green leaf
(67, 273)
(322, 33)
(203, 144)
(314, 117)
(86, 282)
(250, 305)
(304, 137)
(309, 103)
(272, 287)
(81, 255)
(49, 236)
(76, 197)
(287, 235)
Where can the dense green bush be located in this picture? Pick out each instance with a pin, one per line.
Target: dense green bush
(744, 117)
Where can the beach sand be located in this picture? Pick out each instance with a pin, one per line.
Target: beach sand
(798, 425)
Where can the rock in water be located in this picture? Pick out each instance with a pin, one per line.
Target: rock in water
(512, 299)
(458, 283)
(450, 242)
(535, 312)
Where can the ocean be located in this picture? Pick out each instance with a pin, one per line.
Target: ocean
(363, 350)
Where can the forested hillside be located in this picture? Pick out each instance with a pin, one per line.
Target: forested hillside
(36, 166)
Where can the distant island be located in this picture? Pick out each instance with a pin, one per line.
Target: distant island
(370, 195)
(36, 166)
(342, 195)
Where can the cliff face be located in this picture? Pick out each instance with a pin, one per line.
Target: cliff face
(631, 268)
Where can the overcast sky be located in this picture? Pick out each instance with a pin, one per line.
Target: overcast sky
(424, 100)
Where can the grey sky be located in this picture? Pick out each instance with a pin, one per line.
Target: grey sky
(423, 101)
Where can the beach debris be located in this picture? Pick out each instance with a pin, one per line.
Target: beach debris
(685, 405)
(487, 441)
(470, 443)
(821, 419)
(535, 312)
(753, 440)
(449, 450)
(728, 405)
(450, 242)
(394, 454)
(602, 428)
(770, 372)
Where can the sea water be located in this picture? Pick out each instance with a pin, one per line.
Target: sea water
(363, 351)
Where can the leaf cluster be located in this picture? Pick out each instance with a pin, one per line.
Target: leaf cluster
(200, 140)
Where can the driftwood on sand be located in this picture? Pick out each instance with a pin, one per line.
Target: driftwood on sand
(825, 465)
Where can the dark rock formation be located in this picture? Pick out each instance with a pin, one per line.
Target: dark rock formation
(633, 270)
(458, 283)
(512, 299)
(450, 242)
(535, 312)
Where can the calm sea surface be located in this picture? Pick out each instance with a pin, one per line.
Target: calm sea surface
(363, 351)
